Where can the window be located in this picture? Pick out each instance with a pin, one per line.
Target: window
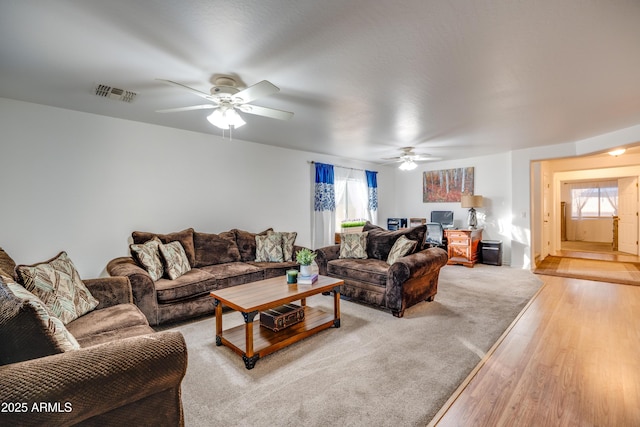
(594, 199)
(352, 195)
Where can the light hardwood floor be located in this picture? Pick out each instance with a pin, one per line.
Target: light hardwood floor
(572, 358)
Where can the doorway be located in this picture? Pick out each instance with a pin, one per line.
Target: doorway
(549, 231)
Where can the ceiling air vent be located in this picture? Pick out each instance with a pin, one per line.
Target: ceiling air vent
(115, 93)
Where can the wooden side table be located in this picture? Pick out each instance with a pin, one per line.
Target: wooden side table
(463, 246)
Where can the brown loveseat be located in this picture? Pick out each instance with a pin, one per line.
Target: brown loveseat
(409, 280)
(123, 373)
(216, 260)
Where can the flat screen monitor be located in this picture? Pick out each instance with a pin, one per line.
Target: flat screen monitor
(443, 217)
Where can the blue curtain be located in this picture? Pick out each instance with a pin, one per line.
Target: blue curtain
(323, 218)
(372, 184)
(325, 199)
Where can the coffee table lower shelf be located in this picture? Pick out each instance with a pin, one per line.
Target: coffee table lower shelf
(266, 341)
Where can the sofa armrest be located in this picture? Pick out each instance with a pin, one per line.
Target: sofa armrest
(414, 277)
(78, 385)
(142, 286)
(110, 291)
(420, 263)
(325, 255)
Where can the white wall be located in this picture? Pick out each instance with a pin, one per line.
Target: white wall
(82, 183)
(491, 180)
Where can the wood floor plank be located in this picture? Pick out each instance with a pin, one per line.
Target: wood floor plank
(572, 359)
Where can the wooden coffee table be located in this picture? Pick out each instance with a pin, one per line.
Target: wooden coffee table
(250, 340)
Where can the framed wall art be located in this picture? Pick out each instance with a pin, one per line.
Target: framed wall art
(447, 185)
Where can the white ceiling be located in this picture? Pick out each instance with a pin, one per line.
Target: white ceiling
(454, 78)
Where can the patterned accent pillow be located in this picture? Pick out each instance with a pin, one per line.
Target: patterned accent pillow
(269, 248)
(353, 245)
(288, 240)
(175, 259)
(400, 248)
(57, 283)
(61, 336)
(147, 255)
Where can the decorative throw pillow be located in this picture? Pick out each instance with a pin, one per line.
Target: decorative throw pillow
(175, 259)
(288, 241)
(269, 248)
(353, 245)
(57, 283)
(401, 247)
(185, 237)
(214, 249)
(246, 242)
(61, 336)
(147, 255)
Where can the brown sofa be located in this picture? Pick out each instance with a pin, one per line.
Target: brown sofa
(124, 373)
(217, 261)
(411, 279)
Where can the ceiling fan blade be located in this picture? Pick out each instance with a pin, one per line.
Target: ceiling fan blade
(193, 107)
(258, 90)
(266, 112)
(190, 89)
(397, 159)
(425, 158)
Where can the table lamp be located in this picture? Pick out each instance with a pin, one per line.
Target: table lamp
(470, 201)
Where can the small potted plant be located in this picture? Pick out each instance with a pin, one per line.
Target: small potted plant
(305, 257)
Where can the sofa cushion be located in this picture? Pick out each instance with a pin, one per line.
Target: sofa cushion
(147, 254)
(353, 245)
(196, 282)
(275, 269)
(185, 237)
(269, 248)
(401, 247)
(57, 283)
(246, 242)
(380, 242)
(371, 271)
(28, 330)
(213, 249)
(175, 259)
(234, 273)
(106, 324)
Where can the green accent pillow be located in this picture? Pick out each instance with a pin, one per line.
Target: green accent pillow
(175, 259)
(400, 248)
(147, 255)
(269, 248)
(57, 283)
(353, 245)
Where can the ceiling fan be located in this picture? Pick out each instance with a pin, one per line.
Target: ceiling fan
(408, 159)
(227, 98)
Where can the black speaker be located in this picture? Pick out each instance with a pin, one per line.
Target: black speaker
(491, 252)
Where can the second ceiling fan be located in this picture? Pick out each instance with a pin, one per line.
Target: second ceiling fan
(226, 99)
(408, 158)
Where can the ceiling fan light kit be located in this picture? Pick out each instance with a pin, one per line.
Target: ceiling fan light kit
(408, 165)
(225, 118)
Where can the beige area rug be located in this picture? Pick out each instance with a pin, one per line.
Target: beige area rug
(626, 273)
(375, 370)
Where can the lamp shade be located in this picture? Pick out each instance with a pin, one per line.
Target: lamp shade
(471, 201)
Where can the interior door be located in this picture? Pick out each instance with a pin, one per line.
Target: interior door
(628, 215)
(546, 216)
